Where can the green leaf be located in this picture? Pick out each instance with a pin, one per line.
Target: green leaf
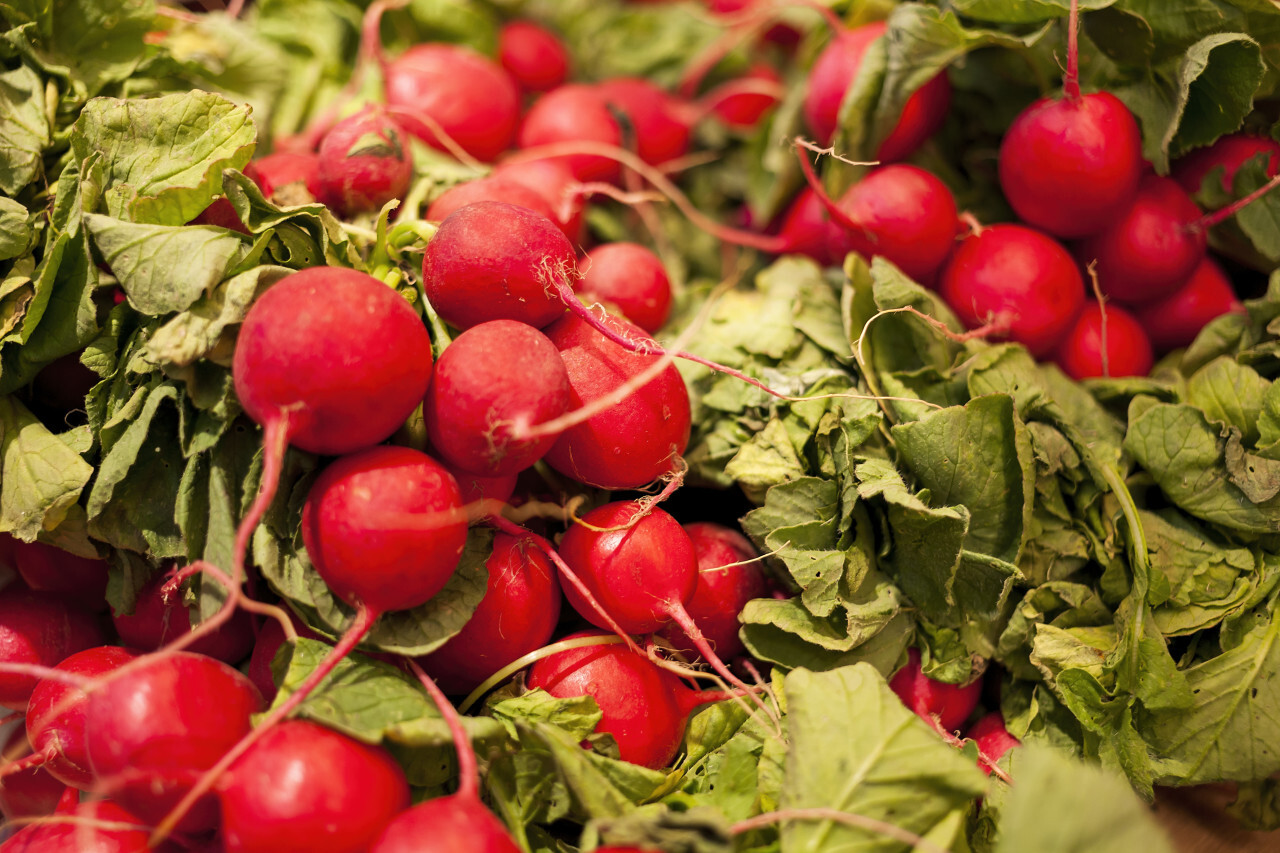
(93, 42)
(875, 769)
(15, 239)
(1230, 393)
(1021, 11)
(41, 478)
(24, 128)
(1043, 811)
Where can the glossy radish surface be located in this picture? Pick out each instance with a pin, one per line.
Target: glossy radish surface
(102, 827)
(949, 704)
(49, 569)
(26, 793)
(571, 113)
(1094, 347)
(364, 162)
(657, 123)
(630, 277)
(40, 628)
(1174, 320)
(493, 188)
(534, 56)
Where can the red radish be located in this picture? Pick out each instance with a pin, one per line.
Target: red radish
(497, 261)
(658, 124)
(571, 113)
(476, 488)
(31, 792)
(289, 177)
(1114, 345)
(637, 699)
(630, 277)
(304, 787)
(156, 621)
(491, 380)
(364, 162)
(834, 72)
(457, 821)
(1230, 152)
(518, 614)
(449, 88)
(1152, 249)
(1176, 319)
(806, 229)
(95, 826)
(492, 188)
(992, 738)
(729, 575)
(534, 56)
(553, 180)
(151, 731)
(949, 705)
(741, 103)
(56, 714)
(40, 628)
(633, 442)
(49, 569)
(221, 213)
(1018, 279)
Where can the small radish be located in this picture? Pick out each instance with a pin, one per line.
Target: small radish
(44, 629)
(454, 822)
(553, 180)
(56, 714)
(1071, 166)
(493, 188)
(806, 229)
(1105, 342)
(534, 56)
(476, 488)
(518, 614)
(364, 162)
(634, 441)
(946, 705)
(30, 792)
(1152, 249)
(1021, 281)
(492, 379)
(992, 738)
(304, 787)
(1174, 320)
(1230, 152)
(497, 261)
(156, 621)
(49, 569)
(153, 730)
(629, 277)
(442, 90)
(834, 72)
(743, 102)
(94, 826)
(571, 113)
(657, 123)
(289, 177)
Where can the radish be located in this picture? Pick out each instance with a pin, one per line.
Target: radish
(156, 621)
(806, 228)
(1230, 152)
(553, 180)
(570, 113)
(1105, 342)
(43, 629)
(729, 575)
(151, 732)
(1071, 166)
(834, 72)
(497, 261)
(29, 791)
(658, 124)
(992, 738)
(518, 614)
(454, 822)
(49, 569)
(1022, 282)
(289, 177)
(55, 720)
(1174, 320)
(630, 277)
(491, 379)
(90, 827)
(947, 706)
(534, 56)
(493, 188)
(1152, 249)
(743, 102)
(634, 441)
(364, 163)
(304, 787)
(448, 94)
(476, 488)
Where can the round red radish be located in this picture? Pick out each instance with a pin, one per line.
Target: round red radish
(1124, 351)
(49, 569)
(834, 72)
(1230, 152)
(518, 614)
(491, 380)
(339, 353)
(657, 122)
(573, 113)
(1175, 320)
(153, 731)
(384, 563)
(364, 162)
(1152, 249)
(476, 488)
(155, 622)
(633, 442)
(493, 188)
(636, 698)
(467, 96)
(949, 704)
(1071, 166)
(56, 714)
(289, 177)
(992, 738)
(534, 56)
(26, 793)
(742, 109)
(729, 575)
(1018, 278)
(40, 628)
(94, 826)
(496, 261)
(807, 229)
(629, 277)
(304, 787)
(554, 181)
(448, 824)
